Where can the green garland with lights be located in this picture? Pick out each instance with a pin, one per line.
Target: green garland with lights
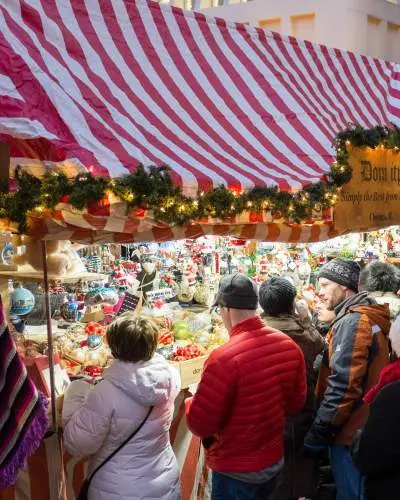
(152, 189)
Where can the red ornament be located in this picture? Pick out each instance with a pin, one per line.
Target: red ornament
(256, 217)
(100, 208)
(94, 371)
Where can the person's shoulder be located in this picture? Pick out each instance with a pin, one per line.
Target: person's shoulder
(388, 400)
(281, 342)
(349, 320)
(391, 390)
(276, 336)
(225, 352)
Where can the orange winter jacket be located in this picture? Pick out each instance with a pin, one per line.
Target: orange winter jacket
(358, 350)
(248, 387)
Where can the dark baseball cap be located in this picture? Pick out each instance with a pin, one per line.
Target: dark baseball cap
(237, 291)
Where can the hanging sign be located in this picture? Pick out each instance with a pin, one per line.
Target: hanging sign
(371, 200)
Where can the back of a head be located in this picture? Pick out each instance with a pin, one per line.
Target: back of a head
(276, 296)
(380, 277)
(237, 291)
(132, 338)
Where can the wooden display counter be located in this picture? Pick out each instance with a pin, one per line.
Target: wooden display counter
(190, 370)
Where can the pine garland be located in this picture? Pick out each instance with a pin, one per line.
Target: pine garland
(152, 189)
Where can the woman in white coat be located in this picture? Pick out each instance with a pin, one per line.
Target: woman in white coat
(97, 419)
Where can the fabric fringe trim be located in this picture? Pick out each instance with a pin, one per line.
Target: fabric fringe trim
(34, 435)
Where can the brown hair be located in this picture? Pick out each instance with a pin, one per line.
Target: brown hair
(132, 338)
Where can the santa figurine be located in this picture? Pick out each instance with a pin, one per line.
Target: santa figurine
(148, 276)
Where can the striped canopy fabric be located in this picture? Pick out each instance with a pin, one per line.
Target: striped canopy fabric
(104, 85)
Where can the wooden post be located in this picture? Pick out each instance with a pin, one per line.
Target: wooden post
(4, 163)
(50, 349)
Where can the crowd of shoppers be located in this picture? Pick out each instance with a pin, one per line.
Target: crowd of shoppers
(272, 401)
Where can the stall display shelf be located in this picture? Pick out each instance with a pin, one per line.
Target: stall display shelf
(38, 276)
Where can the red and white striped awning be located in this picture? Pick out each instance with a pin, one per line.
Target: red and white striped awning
(107, 84)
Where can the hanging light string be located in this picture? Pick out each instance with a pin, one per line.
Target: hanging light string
(153, 189)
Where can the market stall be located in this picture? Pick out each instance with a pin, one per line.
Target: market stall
(192, 127)
(184, 276)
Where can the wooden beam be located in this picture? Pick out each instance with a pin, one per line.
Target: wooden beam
(4, 163)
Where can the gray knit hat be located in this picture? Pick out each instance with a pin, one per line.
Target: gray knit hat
(341, 271)
(277, 296)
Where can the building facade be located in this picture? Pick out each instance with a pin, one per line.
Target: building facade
(370, 27)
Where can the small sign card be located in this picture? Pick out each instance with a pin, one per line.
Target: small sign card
(131, 303)
(160, 294)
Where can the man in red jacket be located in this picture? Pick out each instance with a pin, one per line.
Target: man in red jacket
(248, 387)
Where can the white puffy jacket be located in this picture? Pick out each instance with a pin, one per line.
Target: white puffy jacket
(97, 419)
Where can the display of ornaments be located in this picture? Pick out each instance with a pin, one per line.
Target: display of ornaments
(22, 301)
(201, 294)
(94, 264)
(186, 292)
(102, 296)
(94, 341)
(69, 310)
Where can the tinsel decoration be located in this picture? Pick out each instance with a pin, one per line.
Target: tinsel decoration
(153, 189)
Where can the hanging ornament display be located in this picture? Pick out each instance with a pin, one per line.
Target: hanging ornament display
(22, 301)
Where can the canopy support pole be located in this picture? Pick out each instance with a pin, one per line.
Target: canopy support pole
(4, 163)
(50, 351)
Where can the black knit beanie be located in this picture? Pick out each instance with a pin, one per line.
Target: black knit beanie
(276, 296)
(343, 272)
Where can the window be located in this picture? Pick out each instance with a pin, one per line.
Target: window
(393, 42)
(183, 4)
(303, 26)
(375, 37)
(273, 24)
(205, 4)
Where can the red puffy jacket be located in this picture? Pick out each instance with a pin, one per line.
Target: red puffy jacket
(248, 387)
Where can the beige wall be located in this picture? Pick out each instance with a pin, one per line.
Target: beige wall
(369, 27)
